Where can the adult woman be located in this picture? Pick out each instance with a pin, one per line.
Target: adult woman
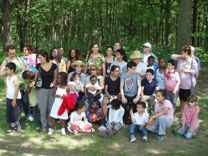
(73, 55)
(94, 70)
(109, 59)
(55, 57)
(24, 58)
(48, 72)
(112, 87)
(78, 67)
(188, 69)
(95, 58)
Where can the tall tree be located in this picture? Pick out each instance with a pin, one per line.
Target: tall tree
(184, 24)
(6, 8)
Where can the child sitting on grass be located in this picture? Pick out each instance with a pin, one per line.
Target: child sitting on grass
(189, 121)
(139, 122)
(13, 97)
(115, 119)
(78, 120)
(95, 114)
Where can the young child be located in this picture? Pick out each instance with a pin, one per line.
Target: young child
(78, 120)
(92, 90)
(60, 93)
(189, 122)
(31, 92)
(95, 114)
(139, 122)
(149, 86)
(115, 119)
(77, 85)
(151, 63)
(172, 82)
(160, 74)
(163, 117)
(13, 97)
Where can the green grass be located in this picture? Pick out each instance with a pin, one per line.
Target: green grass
(31, 142)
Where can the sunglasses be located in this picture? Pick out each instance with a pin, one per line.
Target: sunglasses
(93, 69)
(145, 47)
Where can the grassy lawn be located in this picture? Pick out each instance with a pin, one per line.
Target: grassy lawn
(31, 142)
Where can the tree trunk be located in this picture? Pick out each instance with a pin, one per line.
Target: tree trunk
(53, 37)
(184, 24)
(194, 16)
(6, 8)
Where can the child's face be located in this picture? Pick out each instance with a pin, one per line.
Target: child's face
(150, 61)
(94, 105)
(170, 66)
(140, 109)
(76, 78)
(93, 80)
(132, 70)
(31, 75)
(149, 76)
(159, 97)
(82, 109)
(162, 63)
(59, 79)
(9, 71)
(191, 103)
(119, 56)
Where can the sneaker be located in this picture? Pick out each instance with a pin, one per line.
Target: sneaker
(63, 132)
(132, 138)
(161, 137)
(10, 130)
(18, 128)
(50, 131)
(144, 139)
(30, 118)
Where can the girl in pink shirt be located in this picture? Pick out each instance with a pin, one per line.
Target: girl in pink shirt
(163, 117)
(189, 122)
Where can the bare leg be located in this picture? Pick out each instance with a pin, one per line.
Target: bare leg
(105, 106)
(62, 123)
(53, 122)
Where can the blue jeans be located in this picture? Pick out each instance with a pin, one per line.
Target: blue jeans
(172, 97)
(134, 128)
(185, 132)
(160, 126)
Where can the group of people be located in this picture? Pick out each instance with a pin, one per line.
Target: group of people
(104, 89)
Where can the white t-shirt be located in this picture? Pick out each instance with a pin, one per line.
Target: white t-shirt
(145, 58)
(96, 86)
(160, 79)
(140, 120)
(141, 68)
(10, 84)
(78, 119)
(116, 115)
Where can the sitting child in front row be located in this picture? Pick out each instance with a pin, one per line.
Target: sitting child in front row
(115, 119)
(189, 122)
(78, 120)
(139, 122)
(95, 114)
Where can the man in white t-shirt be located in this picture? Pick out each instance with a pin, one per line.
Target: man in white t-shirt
(147, 47)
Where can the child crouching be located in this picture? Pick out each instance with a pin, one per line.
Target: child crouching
(189, 122)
